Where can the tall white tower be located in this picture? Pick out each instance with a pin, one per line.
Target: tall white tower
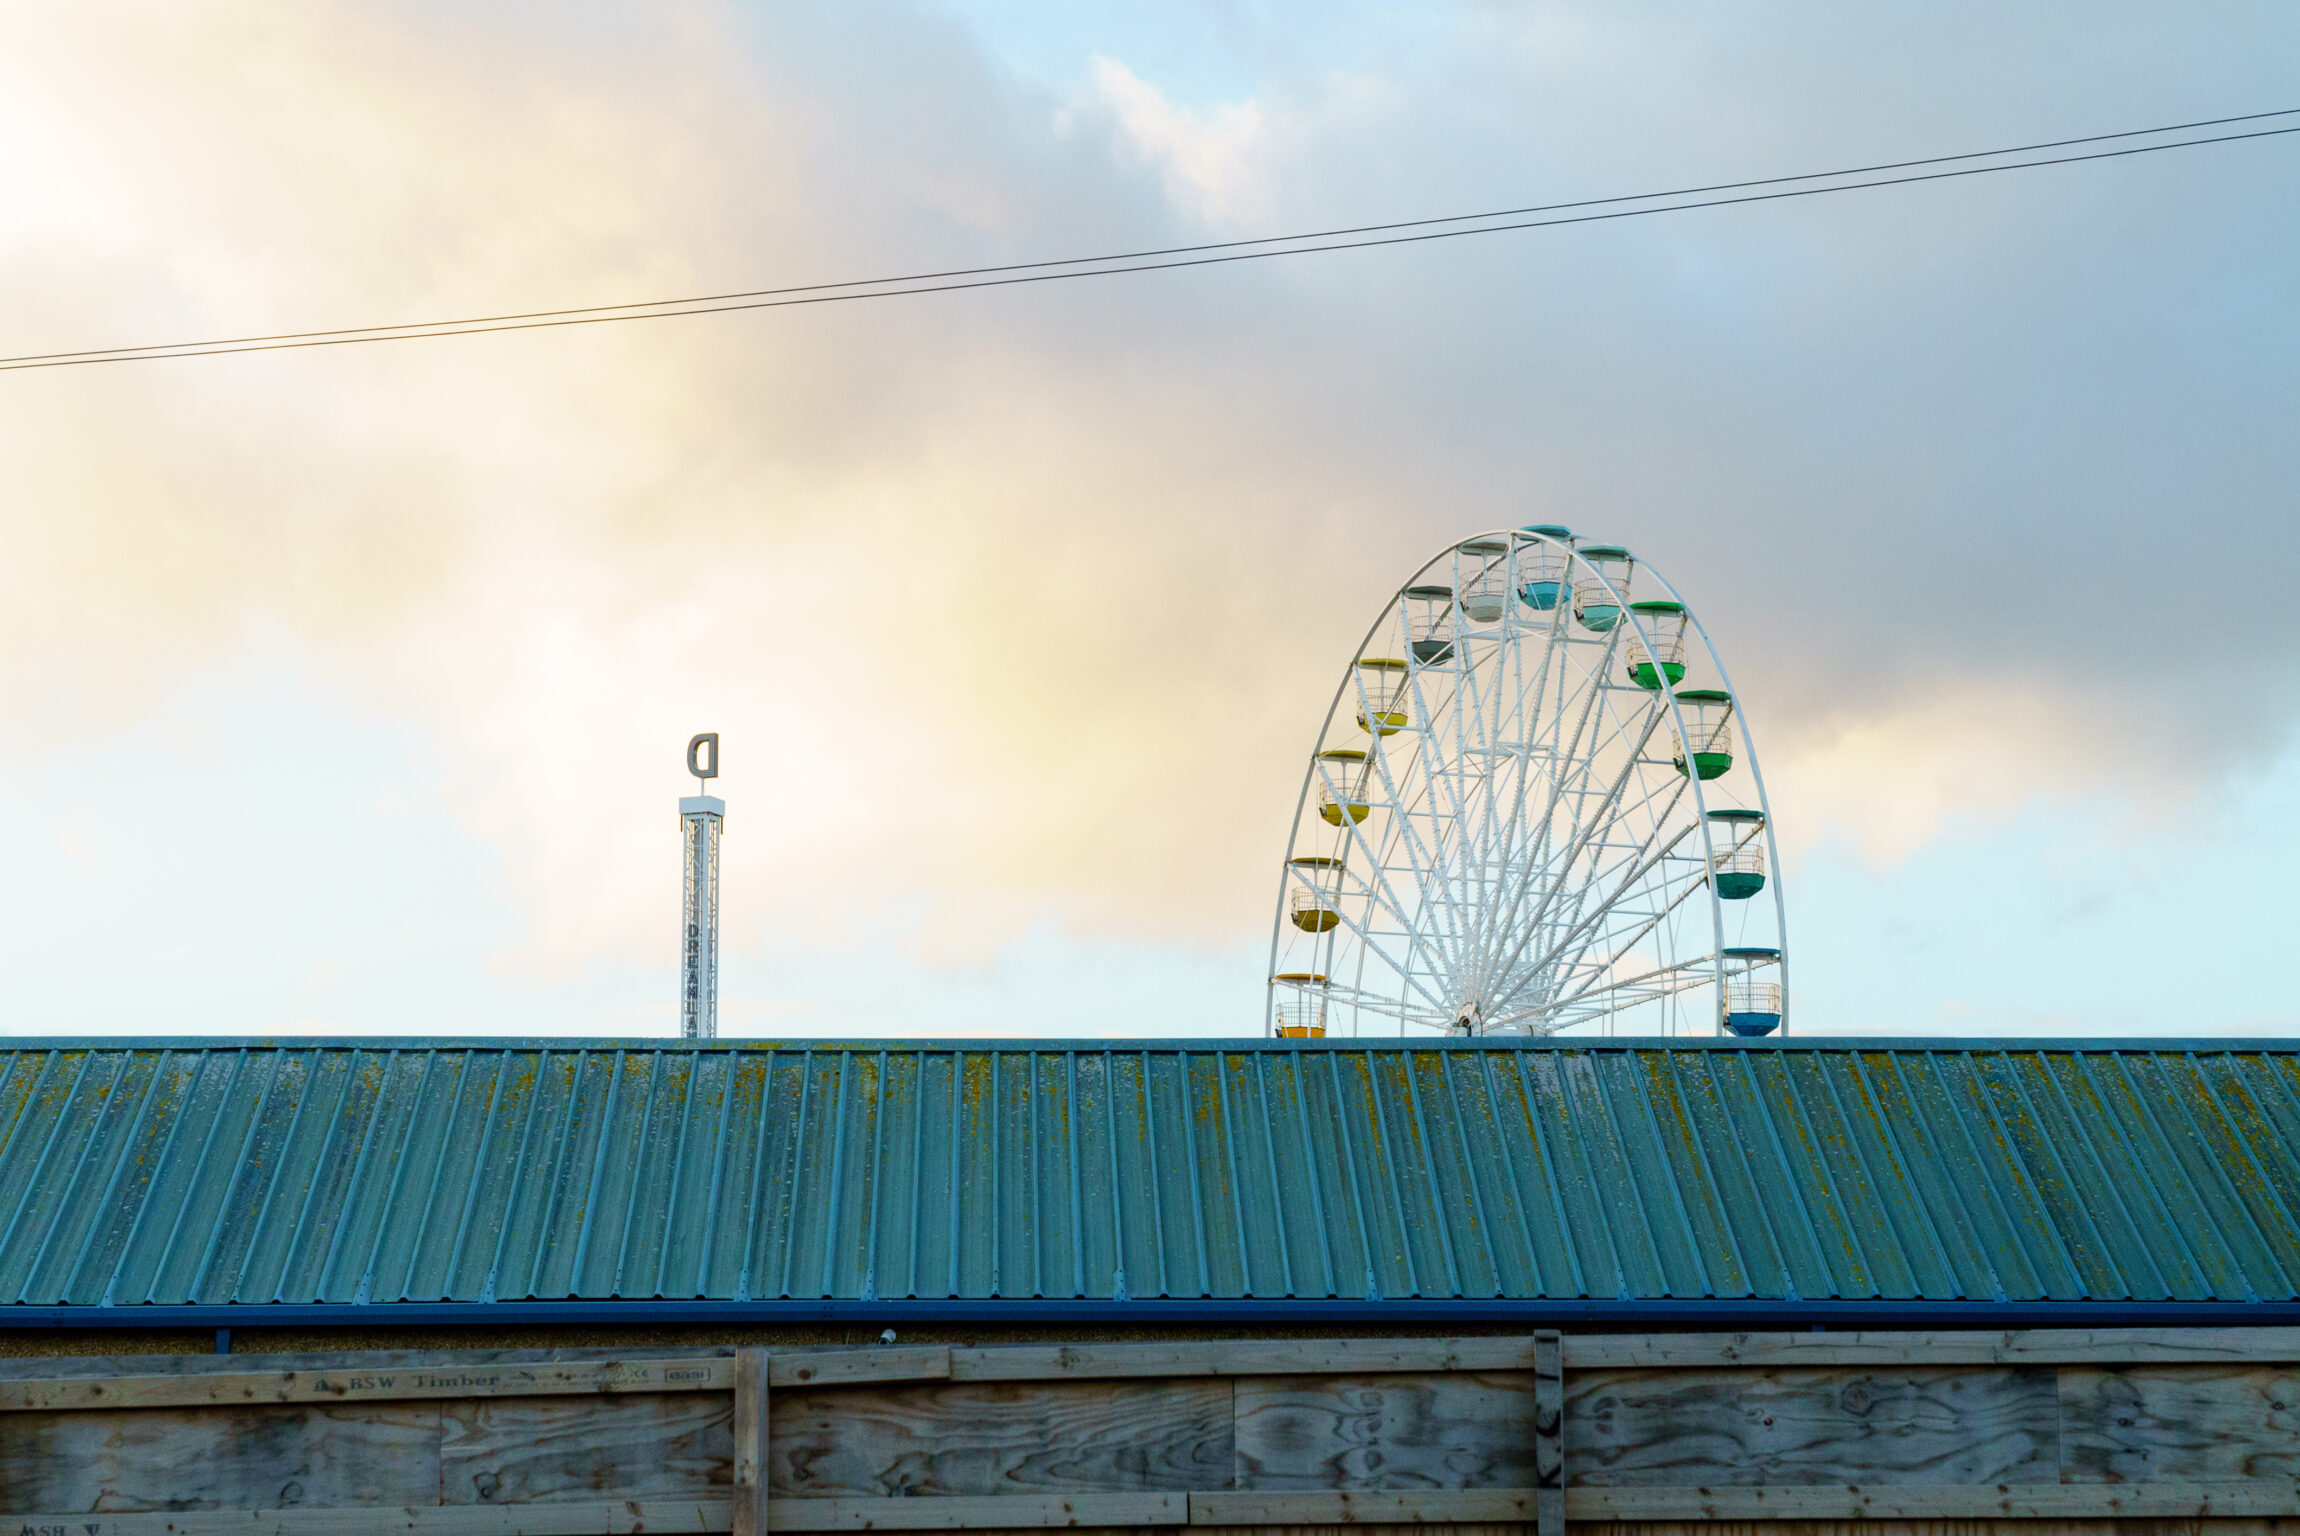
(701, 818)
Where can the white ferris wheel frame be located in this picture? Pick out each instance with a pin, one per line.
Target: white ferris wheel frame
(1553, 634)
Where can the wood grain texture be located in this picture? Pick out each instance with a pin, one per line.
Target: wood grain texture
(1019, 1511)
(575, 1449)
(2010, 1501)
(1364, 1506)
(221, 1458)
(1549, 1433)
(444, 1378)
(2218, 1525)
(2043, 1346)
(749, 1473)
(2179, 1423)
(831, 1367)
(20, 1367)
(977, 1439)
(1458, 1430)
(1241, 1357)
(1367, 1528)
(615, 1519)
(1838, 1426)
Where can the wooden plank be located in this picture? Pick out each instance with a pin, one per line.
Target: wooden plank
(2047, 1346)
(976, 1439)
(2262, 1499)
(1549, 1433)
(1512, 1527)
(1841, 1427)
(1364, 1507)
(1241, 1357)
(378, 1384)
(471, 1520)
(571, 1449)
(1452, 1430)
(227, 1458)
(2012, 1501)
(2179, 1423)
(750, 1468)
(1014, 1512)
(834, 1367)
(24, 1367)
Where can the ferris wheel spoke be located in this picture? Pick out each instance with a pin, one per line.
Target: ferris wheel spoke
(1564, 952)
(1676, 971)
(1374, 942)
(1512, 850)
(1613, 793)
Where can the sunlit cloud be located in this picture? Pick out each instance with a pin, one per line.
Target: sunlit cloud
(1018, 611)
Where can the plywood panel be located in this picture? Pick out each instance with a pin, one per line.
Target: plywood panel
(2179, 1423)
(1849, 1426)
(1457, 1430)
(221, 1458)
(559, 1449)
(969, 1439)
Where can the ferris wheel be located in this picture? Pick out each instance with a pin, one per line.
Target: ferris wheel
(1531, 809)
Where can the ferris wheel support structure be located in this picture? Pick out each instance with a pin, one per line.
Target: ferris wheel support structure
(1504, 853)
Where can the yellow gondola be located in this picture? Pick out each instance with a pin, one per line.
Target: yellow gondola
(1381, 695)
(1342, 786)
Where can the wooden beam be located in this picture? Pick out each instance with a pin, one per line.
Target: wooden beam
(750, 1466)
(394, 1383)
(1241, 1357)
(1005, 1512)
(1366, 1507)
(2262, 1497)
(454, 1520)
(444, 1378)
(1549, 1433)
(2043, 1346)
(839, 1367)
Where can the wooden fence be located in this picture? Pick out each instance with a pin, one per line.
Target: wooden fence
(1639, 1433)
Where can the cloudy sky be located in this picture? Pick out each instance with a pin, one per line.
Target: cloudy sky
(345, 690)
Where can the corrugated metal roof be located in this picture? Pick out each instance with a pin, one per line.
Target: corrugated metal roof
(190, 1172)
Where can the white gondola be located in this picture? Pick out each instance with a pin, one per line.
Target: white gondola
(1484, 580)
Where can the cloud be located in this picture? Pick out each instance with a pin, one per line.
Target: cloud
(1021, 607)
(1216, 162)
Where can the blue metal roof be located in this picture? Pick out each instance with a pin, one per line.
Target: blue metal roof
(269, 1175)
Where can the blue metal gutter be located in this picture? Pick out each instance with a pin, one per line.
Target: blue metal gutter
(1659, 1314)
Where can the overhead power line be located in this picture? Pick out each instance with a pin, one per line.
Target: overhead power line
(1215, 253)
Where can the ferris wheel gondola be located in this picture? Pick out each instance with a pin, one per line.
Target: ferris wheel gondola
(1517, 817)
